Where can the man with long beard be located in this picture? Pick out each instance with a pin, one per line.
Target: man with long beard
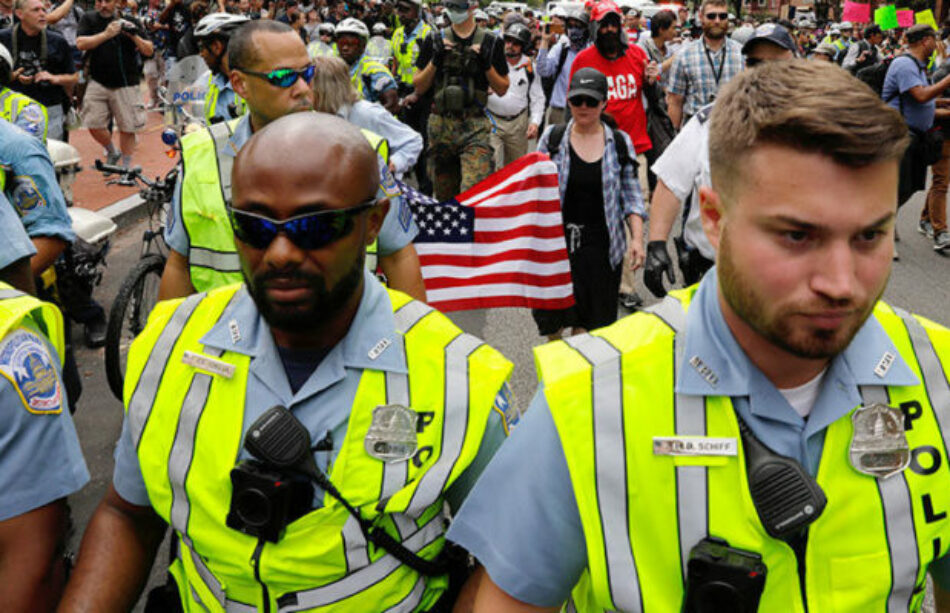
(404, 410)
(704, 66)
(771, 439)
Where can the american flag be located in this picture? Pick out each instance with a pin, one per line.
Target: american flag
(499, 244)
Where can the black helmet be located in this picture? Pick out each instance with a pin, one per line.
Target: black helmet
(519, 33)
(580, 15)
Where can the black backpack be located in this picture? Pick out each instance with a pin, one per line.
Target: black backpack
(620, 145)
(873, 76)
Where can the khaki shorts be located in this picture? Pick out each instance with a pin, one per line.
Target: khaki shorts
(124, 105)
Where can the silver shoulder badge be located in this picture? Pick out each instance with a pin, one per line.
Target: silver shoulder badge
(879, 444)
(392, 435)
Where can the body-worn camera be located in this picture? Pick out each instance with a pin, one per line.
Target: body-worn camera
(264, 502)
(723, 579)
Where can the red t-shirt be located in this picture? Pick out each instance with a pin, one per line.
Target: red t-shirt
(624, 89)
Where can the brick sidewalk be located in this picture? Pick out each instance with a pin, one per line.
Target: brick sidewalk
(90, 190)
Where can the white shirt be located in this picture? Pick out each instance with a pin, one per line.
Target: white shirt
(522, 91)
(684, 168)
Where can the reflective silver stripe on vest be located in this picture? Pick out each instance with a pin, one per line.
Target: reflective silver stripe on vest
(454, 425)
(671, 311)
(412, 599)
(935, 381)
(354, 545)
(899, 524)
(409, 314)
(221, 137)
(6, 294)
(183, 447)
(354, 583)
(207, 577)
(395, 473)
(610, 454)
(215, 260)
(143, 396)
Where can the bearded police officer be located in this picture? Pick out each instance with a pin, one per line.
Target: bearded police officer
(271, 71)
(771, 439)
(404, 409)
(459, 64)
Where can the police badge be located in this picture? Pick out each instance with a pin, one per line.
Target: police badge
(879, 445)
(392, 435)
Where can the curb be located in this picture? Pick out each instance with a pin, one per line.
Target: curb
(125, 212)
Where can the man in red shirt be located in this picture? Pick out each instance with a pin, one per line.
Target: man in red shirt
(625, 65)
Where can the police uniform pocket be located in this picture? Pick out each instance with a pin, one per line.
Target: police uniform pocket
(853, 583)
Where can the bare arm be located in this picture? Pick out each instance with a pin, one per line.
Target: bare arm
(19, 275)
(32, 572)
(637, 250)
(489, 598)
(402, 271)
(423, 79)
(674, 106)
(923, 94)
(85, 43)
(115, 557)
(390, 100)
(48, 249)
(59, 12)
(143, 45)
(498, 83)
(663, 210)
(176, 278)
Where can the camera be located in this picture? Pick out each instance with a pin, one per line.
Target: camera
(128, 26)
(265, 501)
(723, 579)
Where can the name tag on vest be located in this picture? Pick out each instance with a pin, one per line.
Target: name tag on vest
(208, 364)
(694, 446)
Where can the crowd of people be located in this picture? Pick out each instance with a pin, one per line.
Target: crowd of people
(317, 436)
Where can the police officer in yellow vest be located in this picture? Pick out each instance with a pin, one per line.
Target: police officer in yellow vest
(775, 428)
(212, 33)
(371, 79)
(413, 109)
(271, 70)
(41, 462)
(402, 409)
(17, 108)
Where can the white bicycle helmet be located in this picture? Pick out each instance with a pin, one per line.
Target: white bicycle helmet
(6, 57)
(326, 28)
(379, 29)
(354, 26)
(219, 24)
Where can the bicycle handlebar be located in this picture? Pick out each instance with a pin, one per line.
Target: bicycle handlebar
(119, 170)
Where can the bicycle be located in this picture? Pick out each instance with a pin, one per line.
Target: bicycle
(138, 293)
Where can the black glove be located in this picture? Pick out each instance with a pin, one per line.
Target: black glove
(438, 52)
(657, 262)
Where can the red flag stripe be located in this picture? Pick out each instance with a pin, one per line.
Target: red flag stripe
(523, 232)
(519, 209)
(473, 260)
(505, 277)
(491, 302)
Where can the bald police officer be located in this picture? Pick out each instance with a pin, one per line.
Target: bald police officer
(404, 408)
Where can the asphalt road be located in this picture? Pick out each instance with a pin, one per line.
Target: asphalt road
(920, 282)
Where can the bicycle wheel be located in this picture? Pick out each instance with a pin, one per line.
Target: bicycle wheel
(129, 313)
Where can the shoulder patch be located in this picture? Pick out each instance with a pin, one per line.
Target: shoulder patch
(405, 214)
(27, 364)
(504, 404)
(31, 120)
(26, 196)
(388, 183)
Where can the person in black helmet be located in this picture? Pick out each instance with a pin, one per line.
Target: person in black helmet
(519, 112)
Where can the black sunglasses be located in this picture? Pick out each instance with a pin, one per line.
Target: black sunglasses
(587, 101)
(719, 16)
(283, 77)
(307, 231)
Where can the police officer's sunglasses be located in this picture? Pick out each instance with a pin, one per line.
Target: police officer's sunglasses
(307, 231)
(283, 77)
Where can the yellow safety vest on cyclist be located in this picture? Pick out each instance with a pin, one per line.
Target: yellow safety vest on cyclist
(212, 257)
(323, 562)
(365, 68)
(639, 538)
(406, 51)
(211, 101)
(25, 112)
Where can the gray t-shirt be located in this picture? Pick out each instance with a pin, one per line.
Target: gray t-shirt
(905, 73)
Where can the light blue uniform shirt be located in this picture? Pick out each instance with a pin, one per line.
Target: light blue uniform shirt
(31, 185)
(15, 244)
(323, 402)
(226, 97)
(521, 519)
(405, 144)
(547, 63)
(40, 457)
(399, 228)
